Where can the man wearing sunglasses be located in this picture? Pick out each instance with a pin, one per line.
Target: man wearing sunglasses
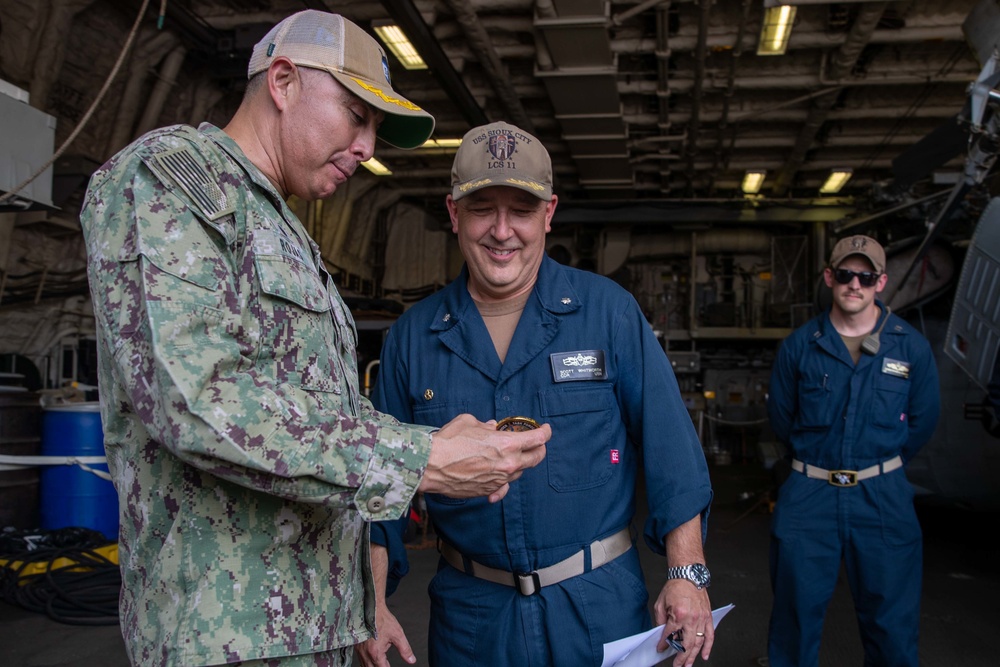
(854, 395)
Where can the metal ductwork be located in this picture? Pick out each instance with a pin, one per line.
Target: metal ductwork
(582, 85)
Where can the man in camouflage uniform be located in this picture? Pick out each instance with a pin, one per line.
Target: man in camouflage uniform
(245, 460)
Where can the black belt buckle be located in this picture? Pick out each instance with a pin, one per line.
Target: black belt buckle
(843, 477)
(528, 583)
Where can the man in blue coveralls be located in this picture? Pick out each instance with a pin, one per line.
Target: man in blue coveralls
(854, 395)
(549, 574)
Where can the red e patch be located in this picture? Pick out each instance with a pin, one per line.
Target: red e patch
(614, 456)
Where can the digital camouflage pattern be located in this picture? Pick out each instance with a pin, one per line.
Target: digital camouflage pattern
(245, 459)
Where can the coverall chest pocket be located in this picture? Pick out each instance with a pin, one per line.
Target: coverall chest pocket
(578, 455)
(295, 324)
(816, 407)
(890, 401)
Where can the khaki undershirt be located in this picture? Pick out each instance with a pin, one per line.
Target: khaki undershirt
(501, 320)
(853, 344)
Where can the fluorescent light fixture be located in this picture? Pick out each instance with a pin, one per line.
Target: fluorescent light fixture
(376, 167)
(397, 42)
(752, 181)
(442, 143)
(775, 30)
(835, 181)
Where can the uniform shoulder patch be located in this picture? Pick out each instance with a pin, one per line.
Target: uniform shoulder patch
(181, 166)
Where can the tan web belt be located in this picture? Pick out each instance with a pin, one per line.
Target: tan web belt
(529, 583)
(847, 477)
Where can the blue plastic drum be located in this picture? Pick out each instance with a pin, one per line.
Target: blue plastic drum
(70, 495)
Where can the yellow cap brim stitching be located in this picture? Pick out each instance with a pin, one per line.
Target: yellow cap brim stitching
(388, 99)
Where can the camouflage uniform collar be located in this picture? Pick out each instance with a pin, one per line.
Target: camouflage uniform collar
(233, 150)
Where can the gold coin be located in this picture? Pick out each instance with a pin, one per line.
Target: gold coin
(517, 424)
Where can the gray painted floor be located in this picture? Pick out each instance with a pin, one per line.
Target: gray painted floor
(959, 624)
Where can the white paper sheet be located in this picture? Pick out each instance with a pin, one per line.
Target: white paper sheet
(640, 650)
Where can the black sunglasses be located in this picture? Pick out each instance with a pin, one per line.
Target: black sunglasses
(866, 278)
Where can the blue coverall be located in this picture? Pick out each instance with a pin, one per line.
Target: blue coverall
(439, 361)
(837, 415)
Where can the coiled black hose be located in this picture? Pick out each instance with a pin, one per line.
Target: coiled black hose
(83, 592)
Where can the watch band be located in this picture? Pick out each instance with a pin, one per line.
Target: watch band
(696, 573)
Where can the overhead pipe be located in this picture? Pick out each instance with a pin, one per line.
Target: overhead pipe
(797, 115)
(743, 241)
(50, 51)
(775, 164)
(148, 51)
(860, 222)
(543, 59)
(166, 80)
(663, 77)
(737, 165)
(526, 90)
(735, 54)
(482, 46)
(755, 161)
(680, 84)
(493, 24)
(206, 95)
(780, 105)
(841, 141)
(841, 63)
(701, 55)
(621, 17)
(722, 156)
(776, 3)
(799, 41)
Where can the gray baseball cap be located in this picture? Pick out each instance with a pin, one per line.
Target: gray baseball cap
(501, 154)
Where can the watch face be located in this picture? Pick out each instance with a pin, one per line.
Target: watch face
(701, 575)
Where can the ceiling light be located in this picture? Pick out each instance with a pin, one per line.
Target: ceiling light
(752, 181)
(776, 30)
(441, 143)
(397, 42)
(376, 167)
(835, 181)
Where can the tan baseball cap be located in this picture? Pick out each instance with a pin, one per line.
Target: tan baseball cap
(501, 154)
(859, 245)
(330, 42)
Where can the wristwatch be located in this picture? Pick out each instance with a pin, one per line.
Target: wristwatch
(696, 573)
